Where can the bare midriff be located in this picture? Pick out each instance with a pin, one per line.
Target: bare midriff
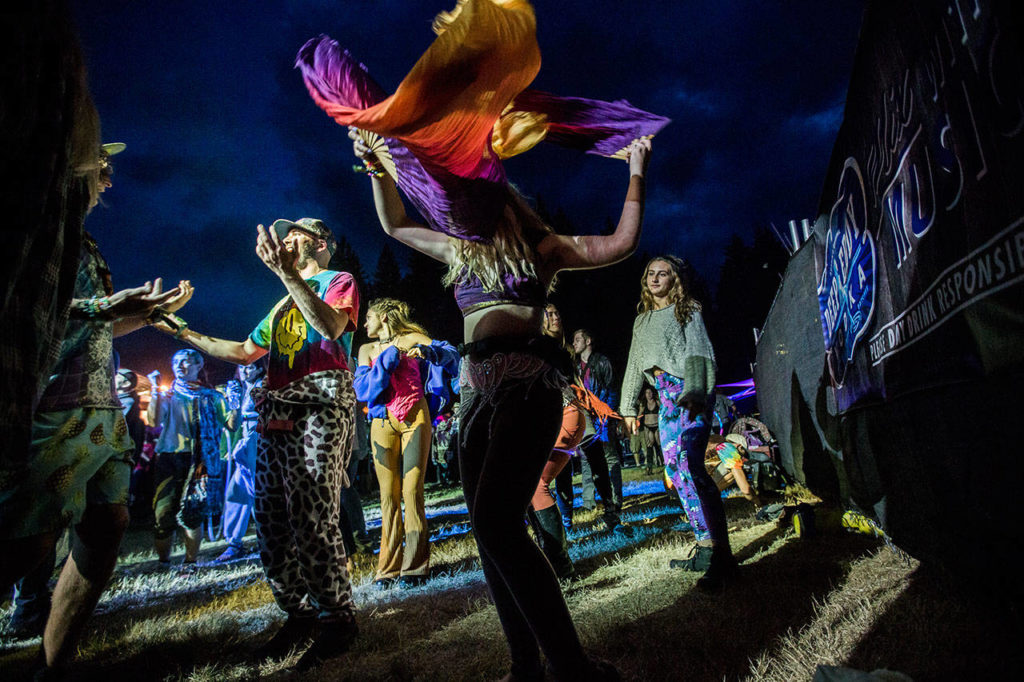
(503, 320)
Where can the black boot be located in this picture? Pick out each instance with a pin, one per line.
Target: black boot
(296, 633)
(547, 526)
(699, 559)
(722, 569)
(333, 638)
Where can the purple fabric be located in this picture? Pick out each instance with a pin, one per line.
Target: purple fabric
(460, 207)
(463, 207)
(469, 292)
(590, 125)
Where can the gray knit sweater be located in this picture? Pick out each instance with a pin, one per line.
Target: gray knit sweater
(659, 341)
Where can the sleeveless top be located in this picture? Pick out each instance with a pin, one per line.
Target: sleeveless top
(471, 297)
(406, 387)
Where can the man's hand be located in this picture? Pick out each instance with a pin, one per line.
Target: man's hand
(185, 291)
(274, 254)
(138, 301)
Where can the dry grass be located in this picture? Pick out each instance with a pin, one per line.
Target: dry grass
(837, 599)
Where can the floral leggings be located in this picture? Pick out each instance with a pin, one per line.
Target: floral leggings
(683, 443)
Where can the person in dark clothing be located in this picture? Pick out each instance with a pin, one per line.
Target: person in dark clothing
(601, 463)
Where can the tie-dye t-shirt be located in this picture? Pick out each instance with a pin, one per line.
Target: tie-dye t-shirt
(296, 348)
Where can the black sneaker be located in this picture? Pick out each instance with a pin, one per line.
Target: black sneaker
(333, 638)
(407, 582)
(189, 569)
(295, 633)
(723, 568)
(382, 584)
(699, 560)
(611, 520)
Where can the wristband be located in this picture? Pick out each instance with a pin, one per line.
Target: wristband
(92, 307)
(373, 170)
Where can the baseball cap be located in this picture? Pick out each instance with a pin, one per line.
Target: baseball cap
(111, 148)
(312, 226)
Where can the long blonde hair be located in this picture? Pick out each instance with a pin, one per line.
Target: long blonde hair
(685, 304)
(510, 251)
(85, 160)
(398, 314)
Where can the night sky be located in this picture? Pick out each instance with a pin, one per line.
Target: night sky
(222, 135)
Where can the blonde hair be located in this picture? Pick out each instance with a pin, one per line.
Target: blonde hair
(398, 314)
(685, 304)
(85, 160)
(510, 251)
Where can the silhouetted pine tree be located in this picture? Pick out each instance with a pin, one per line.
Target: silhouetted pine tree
(345, 259)
(432, 305)
(387, 278)
(748, 280)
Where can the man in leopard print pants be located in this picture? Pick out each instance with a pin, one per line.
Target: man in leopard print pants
(306, 419)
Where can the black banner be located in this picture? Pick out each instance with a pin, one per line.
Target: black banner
(922, 276)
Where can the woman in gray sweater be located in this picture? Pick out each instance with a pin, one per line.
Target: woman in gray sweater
(672, 351)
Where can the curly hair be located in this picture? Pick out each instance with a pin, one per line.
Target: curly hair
(685, 304)
(398, 314)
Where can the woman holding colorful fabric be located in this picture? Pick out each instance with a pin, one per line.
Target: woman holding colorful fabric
(391, 382)
(672, 351)
(461, 110)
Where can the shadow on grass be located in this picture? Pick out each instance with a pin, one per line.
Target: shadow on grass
(935, 630)
(711, 637)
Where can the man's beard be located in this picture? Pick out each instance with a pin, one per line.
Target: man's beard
(306, 253)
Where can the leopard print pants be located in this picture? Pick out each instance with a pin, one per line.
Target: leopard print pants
(300, 469)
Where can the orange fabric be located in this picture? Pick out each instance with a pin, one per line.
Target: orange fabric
(573, 426)
(594, 405)
(486, 53)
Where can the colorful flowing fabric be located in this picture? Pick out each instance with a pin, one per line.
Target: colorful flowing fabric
(463, 108)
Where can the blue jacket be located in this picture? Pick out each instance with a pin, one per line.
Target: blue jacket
(372, 384)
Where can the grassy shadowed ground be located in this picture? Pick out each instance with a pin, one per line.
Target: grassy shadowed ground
(836, 599)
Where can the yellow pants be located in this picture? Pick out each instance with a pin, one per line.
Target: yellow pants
(400, 451)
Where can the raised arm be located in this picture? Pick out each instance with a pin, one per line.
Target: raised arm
(391, 210)
(562, 252)
(331, 322)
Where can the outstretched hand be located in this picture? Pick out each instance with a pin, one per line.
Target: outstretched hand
(139, 301)
(274, 253)
(639, 156)
(185, 291)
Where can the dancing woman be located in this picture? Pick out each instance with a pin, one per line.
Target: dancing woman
(672, 351)
(512, 377)
(461, 110)
(390, 380)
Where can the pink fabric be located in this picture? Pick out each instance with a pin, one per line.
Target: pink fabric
(406, 388)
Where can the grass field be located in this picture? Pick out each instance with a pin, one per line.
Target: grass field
(835, 599)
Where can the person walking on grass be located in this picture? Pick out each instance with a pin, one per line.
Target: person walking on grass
(671, 349)
(192, 418)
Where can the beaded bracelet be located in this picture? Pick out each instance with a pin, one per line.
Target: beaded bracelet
(92, 307)
(371, 170)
